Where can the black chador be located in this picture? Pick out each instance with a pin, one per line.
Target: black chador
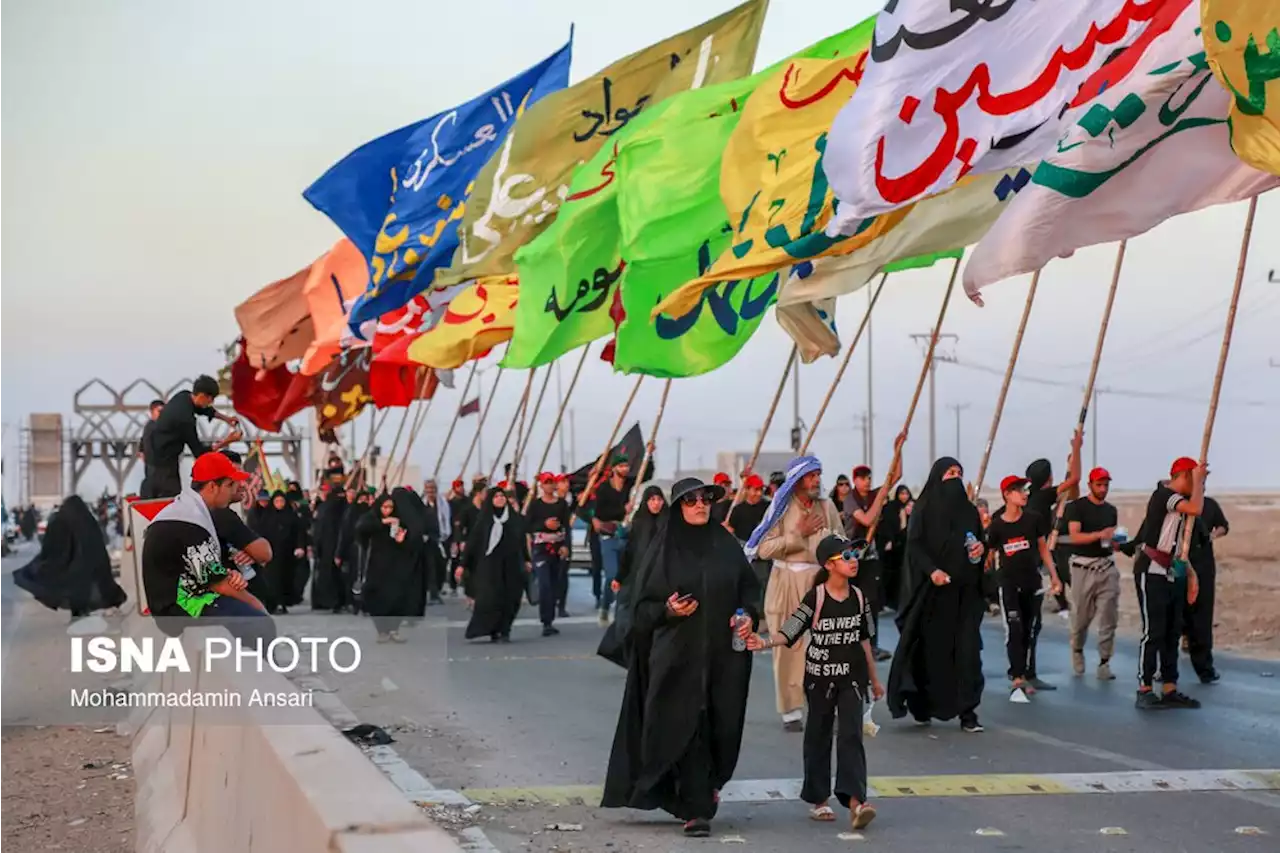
(390, 537)
(496, 563)
(281, 527)
(329, 588)
(73, 570)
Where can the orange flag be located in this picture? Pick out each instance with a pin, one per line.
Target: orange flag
(276, 322)
(334, 282)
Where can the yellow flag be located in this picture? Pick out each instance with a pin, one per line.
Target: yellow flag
(772, 181)
(478, 318)
(519, 191)
(1242, 45)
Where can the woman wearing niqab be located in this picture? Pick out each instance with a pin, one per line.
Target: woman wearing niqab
(416, 508)
(937, 670)
(680, 726)
(495, 564)
(891, 541)
(73, 569)
(613, 645)
(390, 541)
(282, 528)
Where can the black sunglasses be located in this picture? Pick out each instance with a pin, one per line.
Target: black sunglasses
(697, 496)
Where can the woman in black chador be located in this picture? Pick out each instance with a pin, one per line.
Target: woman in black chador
(496, 563)
(282, 528)
(73, 570)
(937, 670)
(680, 728)
(653, 505)
(390, 541)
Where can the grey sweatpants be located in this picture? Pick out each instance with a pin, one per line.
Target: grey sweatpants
(1095, 592)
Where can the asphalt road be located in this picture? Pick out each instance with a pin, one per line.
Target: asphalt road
(524, 730)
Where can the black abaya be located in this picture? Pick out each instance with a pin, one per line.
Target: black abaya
(937, 669)
(411, 504)
(283, 531)
(391, 571)
(329, 587)
(495, 578)
(613, 645)
(73, 569)
(679, 731)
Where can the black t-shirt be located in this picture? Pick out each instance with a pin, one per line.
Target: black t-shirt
(1044, 503)
(545, 541)
(834, 654)
(232, 533)
(746, 517)
(720, 510)
(176, 429)
(179, 561)
(1017, 547)
(1092, 517)
(1162, 526)
(611, 504)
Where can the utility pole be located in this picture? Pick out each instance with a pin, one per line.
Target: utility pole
(924, 338)
(958, 408)
(860, 424)
(560, 399)
(679, 453)
(870, 456)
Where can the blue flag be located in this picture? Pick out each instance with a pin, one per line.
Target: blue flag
(429, 167)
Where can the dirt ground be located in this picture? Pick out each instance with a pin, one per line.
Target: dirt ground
(1247, 610)
(66, 788)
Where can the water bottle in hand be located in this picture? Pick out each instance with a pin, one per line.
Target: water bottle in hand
(969, 541)
(739, 644)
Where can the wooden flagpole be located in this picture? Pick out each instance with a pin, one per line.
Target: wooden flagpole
(976, 488)
(768, 419)
(1193, 584)
(521, 431)
(435, 473)
(883, 494)
(555, 427)
(524, 401)
(648, 448)
(1093, 375)
(493, 393)
(594, 477)
(418, 424)
(395, 445)
(822, 410)
(375, 426)
(523, 444)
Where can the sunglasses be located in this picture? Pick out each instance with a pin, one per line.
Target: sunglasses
(849, 555)
(697, 497)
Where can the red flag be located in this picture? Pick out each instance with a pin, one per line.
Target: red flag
(257, 394)
(296, 397)
(472, 408)
(394, 380)
(617, 314)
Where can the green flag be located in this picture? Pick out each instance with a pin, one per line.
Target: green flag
(922, 261)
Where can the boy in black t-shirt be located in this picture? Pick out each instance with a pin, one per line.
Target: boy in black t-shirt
(1163, 581)
(839, 677)
(1019, 540)
(1095, 580)
(548, 526)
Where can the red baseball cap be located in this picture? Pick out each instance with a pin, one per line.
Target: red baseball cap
(753, 481)
(503, 486)
(560, 478)
(1097, 475)
(457, 484)
(546, 477)
(862, 471)
(722, 479)
(1012, 482)
(1182, 463)
(215, 466)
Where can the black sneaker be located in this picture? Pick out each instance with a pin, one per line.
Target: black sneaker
(1149, 700)
(1035, 682)
(549, 630)
(971, 725)
(697, 828)
(564, 614)
(882, 655)
(1174, 699)
(1210, 677)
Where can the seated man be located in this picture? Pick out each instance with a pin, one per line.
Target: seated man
(182, 567)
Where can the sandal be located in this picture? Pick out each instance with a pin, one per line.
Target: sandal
(862, 815)
(823, 813)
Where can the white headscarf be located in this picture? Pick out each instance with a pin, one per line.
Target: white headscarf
(495, 532)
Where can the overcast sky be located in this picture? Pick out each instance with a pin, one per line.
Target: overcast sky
(155, 154)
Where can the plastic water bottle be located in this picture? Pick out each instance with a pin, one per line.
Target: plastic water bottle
(969, 541)
(739, 644)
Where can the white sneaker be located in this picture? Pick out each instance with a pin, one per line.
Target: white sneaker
(1018, 696)
(88, 625)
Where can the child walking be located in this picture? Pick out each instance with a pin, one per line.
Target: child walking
(839, 667)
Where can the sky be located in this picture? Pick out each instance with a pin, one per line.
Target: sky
(155, 153)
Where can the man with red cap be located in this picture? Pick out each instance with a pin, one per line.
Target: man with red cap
(548, 532)
(720, 509)
(1164, 581)
(1019, 539)
(1095, 580)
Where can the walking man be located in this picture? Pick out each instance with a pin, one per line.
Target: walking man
(548, 526)
(1095, 587)
(610, 512)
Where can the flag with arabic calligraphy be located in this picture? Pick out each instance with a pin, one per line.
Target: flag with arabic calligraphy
(334, 282)
(342, 389)
(1151, 145)
(400, 197)
(521, 188)
(946, 95)
(1242, 43)
(772, 182)
(476, 320)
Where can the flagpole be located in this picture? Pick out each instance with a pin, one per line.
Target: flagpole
(1093, 375)
(524, 401)
(435, 474)
(395, 445)
(883, 494)
(822, 410)
(976, 489)
(523, 444)
(555, 427)
(493, 392)
(521, 432)
(768, 420)
(648, 448)
(1193, 583)
(375, 426)
(417, 425)
(594, 476)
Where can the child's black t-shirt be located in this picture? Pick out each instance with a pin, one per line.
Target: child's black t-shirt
(834, 654)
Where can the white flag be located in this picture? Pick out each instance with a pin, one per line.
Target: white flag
(970, 86)
(1152, 145)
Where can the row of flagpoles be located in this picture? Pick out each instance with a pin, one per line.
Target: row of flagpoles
(545, 216)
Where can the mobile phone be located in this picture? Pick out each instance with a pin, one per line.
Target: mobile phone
(686, 597)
